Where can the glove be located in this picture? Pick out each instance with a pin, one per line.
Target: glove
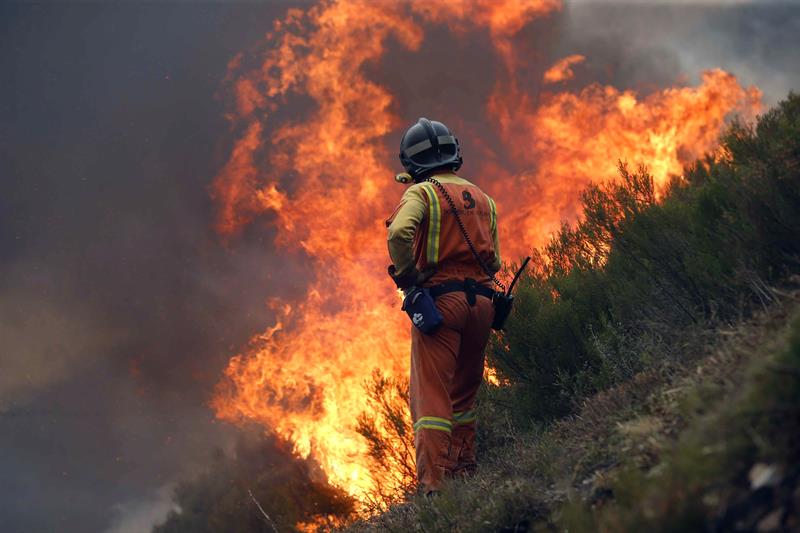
(412, 279)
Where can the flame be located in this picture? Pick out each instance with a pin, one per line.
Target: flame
(562, 70)
(573, 138)
(310, 157)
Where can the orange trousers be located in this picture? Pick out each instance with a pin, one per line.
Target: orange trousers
(446, 372)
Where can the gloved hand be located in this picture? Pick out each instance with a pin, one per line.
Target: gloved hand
(414, 278)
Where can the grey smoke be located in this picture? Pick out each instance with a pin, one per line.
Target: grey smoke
(118, 304)
(676, 41)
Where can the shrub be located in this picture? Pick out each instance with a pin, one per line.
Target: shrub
(608, 296)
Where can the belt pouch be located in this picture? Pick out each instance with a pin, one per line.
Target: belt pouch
(421, 309)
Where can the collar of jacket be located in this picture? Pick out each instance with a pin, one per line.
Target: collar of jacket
(449, 177)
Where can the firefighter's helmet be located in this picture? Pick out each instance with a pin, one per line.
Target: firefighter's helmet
(427, 145)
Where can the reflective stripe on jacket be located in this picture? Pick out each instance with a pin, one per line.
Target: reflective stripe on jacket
(423, 231)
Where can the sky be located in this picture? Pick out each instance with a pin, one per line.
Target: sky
(119, 306)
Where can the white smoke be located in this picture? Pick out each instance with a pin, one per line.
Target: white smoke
(142, 515)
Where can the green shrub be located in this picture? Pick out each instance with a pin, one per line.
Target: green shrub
(608, 296)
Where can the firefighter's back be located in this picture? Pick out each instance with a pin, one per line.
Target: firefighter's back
(440, 243)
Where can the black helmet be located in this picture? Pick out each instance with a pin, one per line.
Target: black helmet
(427, 145)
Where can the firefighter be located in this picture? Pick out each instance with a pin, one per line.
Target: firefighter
(428, 249)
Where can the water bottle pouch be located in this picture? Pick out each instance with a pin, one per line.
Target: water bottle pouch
(421, 309)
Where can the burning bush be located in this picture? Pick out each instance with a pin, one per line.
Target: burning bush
(386, 426)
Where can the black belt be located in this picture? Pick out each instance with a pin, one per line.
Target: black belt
(469, 286)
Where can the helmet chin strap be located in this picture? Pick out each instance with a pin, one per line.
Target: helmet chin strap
(404, 178)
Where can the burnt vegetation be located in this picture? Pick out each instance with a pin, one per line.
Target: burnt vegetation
(649, 375)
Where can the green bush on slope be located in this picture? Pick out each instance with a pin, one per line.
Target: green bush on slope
(601, 296)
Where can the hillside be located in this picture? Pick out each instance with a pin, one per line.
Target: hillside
(650, 377)
(705, 443)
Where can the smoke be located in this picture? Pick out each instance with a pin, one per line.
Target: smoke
(644, 45)
(44, 342)
(141, 514)
(119, 306)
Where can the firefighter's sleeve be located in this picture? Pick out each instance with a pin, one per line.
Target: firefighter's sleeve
(402, 226)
